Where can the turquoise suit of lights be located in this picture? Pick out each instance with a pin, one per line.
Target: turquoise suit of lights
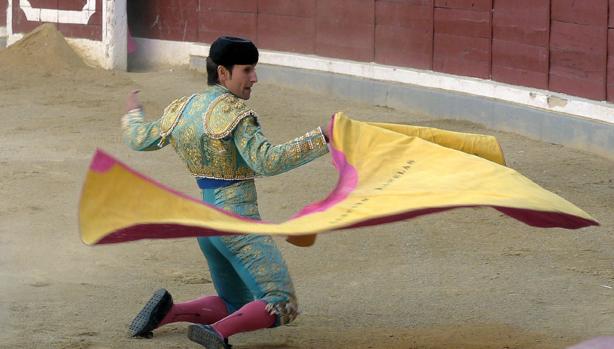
(219, 139)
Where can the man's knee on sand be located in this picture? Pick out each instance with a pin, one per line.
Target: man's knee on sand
(285, 311)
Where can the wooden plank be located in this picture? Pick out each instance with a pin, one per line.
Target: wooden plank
(520, 56)
(354, 11)
(462, 55)
(404, 47)
(345, 29)
(610, 68)
(463, 22)
(177, 20)
(404, 33)
(578, 55)
(571, 83)
(249, 6)
(295, 8)
(92, 32)
(589, 40)
(476, 5)
(213, 23)
(286, 33)
(52, 4)
(72, 5)
(406, 14)
(523, 21)
(519, 76)
(3, 6)
(611, 22)
(588, 12)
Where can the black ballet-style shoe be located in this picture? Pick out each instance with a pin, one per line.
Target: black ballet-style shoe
(206, 336)
(152, 314)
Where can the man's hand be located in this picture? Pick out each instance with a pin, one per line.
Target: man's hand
(324, 129)
(132, 102)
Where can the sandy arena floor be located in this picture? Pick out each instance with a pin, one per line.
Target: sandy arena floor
(469, 278)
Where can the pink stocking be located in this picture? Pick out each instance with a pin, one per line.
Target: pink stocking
(252, 316)
(204, 310)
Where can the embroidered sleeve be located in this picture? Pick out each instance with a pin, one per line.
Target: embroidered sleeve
(141, 135)
(267, 159)
(138, 134)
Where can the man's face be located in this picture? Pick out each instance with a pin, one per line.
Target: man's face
(241, 80)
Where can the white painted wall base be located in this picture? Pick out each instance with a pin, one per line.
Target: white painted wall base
(3, 31)
(542, 99)
(161, 52)
(152, 52)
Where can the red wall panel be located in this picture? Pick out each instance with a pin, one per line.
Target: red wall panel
(249, 6)
(404, 33)
(45, 4)
(476, 5)
(611, 22)
(524, 21)
(287, 25)
(3, 6)
(610, 77)
(463, 22)
(578, 55)
(227, 17)
(589, 12)
(92, 30)
(519, 64)
(520, 53)
(163, 19)
(462, 55)
(296, 8)
(345, 29)
(578, 47)
(462, 39)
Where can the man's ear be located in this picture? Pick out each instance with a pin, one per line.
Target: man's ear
(222, 73)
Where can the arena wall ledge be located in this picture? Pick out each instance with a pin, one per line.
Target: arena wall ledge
(538, 114)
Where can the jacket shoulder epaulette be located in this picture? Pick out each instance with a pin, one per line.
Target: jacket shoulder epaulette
(224, 114)
(172, 114)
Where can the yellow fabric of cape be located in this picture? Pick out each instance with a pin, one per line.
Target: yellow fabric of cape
(386, 173)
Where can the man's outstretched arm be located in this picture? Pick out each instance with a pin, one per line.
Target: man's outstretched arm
(138, 134)
(267, 159)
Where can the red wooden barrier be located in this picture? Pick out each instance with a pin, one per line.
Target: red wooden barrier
(345, 29)
(404, 33)
(578, 48)
(462, 43)
(287, 25)
(476, 5)
(610, 77)
(3, 6)
(520, 52)
(227, 17)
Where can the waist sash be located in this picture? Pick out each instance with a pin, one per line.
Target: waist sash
(212, 183)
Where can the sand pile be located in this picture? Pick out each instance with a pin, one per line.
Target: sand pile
(45, 54)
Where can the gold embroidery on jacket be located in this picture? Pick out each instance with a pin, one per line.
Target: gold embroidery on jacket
(224, 114)
(172, 115)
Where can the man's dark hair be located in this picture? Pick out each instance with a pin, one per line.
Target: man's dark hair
(212, 76)
(228, 51)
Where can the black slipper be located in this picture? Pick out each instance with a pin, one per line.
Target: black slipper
(152, 314)
(206, 336)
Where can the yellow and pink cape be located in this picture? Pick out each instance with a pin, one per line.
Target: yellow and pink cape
(387, 173)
